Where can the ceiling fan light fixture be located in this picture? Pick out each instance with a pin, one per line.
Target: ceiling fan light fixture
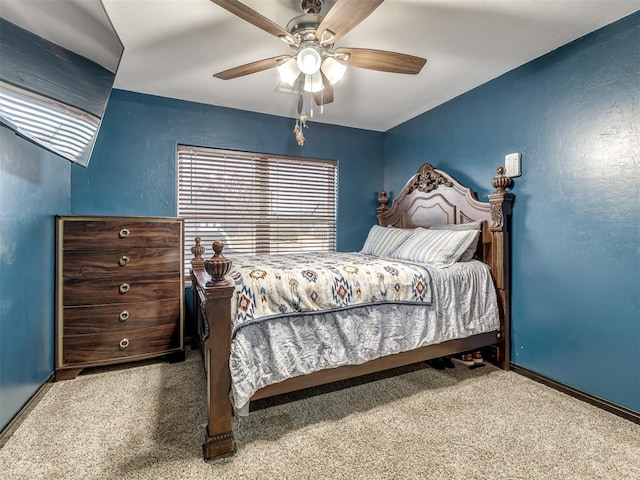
(313, 83)
(309, 60)
(333, 70)
(289, 71)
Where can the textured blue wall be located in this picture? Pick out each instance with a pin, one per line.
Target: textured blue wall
(574, 114)
(133, 166)
(34, 186)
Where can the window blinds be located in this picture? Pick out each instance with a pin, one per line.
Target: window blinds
(256, 203)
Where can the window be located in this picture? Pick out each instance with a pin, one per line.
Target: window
(256, 203)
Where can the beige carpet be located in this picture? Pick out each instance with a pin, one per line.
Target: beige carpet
(146, 422)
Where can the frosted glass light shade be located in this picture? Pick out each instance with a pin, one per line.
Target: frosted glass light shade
(309, 60)
(333, 70)
(313, 83)
(289, 71)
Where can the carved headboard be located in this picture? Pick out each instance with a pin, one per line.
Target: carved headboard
(433, 197)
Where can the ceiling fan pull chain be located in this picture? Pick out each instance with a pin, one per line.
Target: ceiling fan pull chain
(297, 132)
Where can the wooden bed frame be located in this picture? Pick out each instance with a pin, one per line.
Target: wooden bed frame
(431, 197)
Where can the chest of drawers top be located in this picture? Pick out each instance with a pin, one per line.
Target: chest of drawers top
(90, 233)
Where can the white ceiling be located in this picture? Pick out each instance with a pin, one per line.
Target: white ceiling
(173, 47)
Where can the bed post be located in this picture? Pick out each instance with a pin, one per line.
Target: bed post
(383, 201)
(212, 295)
(501, 203)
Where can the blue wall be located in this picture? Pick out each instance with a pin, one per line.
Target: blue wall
(34, 186)
(574, 114)
(133, 166)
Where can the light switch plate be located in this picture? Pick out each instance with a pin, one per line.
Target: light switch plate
(513, 165)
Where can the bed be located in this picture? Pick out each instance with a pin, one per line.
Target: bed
(250, 355)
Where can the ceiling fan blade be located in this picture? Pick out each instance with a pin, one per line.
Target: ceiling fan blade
(241, 10)
(252, 67)
(325, 95)
(380, 60)
(343, 16)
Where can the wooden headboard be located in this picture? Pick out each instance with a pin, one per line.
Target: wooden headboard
(433, 197)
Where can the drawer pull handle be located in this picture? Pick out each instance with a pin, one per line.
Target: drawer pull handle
(124, 316)
(123, 260)
(124, 233)
(124, 343)
(124, 288)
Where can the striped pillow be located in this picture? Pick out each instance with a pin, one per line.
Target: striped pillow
(440, 248)
(382, 241)
(471, 250)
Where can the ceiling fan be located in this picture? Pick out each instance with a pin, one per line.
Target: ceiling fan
(315, 64)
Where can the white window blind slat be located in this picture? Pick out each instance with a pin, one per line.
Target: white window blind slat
(256, 203)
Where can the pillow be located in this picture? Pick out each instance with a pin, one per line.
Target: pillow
(382, 241)
(458, 226)
(471, 251)
(440, 248)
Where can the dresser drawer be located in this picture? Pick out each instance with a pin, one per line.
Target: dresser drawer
(120, 317)
(86, 349)
(121, 262)
(120, 233)
(99, 291)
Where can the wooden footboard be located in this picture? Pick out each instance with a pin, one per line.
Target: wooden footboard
(431, 197)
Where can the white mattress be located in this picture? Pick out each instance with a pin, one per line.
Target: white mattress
(268, 352)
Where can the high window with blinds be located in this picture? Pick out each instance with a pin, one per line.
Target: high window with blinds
(256, 203)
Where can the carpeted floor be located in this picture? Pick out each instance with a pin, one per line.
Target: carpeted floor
(146, 422)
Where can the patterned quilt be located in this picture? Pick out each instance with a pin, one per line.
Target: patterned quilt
(270, 286)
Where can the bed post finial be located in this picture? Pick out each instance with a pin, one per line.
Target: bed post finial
(197, 250)
(383, 201)
(501, 182)
(218, 265)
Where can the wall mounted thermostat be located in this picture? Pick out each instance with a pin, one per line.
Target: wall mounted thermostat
(513, 165)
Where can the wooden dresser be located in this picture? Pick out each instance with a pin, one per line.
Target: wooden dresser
(119, 291)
